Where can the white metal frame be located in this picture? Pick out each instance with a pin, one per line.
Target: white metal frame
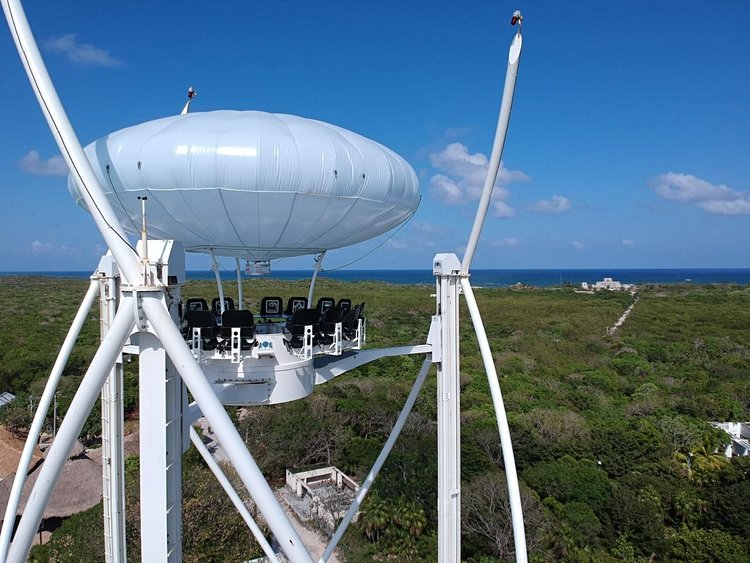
(168, 366)
(41, 412)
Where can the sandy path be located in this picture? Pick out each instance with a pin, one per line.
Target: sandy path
(313, 541)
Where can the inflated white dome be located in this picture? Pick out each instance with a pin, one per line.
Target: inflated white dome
(253, 184)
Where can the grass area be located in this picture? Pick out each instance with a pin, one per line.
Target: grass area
(616, 457)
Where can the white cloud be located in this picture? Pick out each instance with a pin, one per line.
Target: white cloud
(713, 198)
(81, 53)
(33, 164)
(508, 242)
(38, 247)
(462, 176)
(558, 204)
(738, 206)
(627, 242)
(446, 190)
(578, 245)
(502, 210)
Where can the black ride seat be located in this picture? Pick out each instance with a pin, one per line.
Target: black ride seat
(345, 304)
(204, 320)
(242, 319)
(351, 321)
(271, 307)
(296, 327)
(328, 325)
(216, 305)
(196, 304)
(325, 303)
(295, 304)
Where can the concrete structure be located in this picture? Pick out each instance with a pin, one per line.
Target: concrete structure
(739, 432)
(323, 494)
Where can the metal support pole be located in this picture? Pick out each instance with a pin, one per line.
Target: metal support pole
(447, 268)
(71, 426)
(54, 416)
(316, 271)
(38, 422)
(233, 496)
(370, 479)
(217, 274)
(509, 460)
(240, 296)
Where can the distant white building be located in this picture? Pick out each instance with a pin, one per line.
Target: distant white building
(740, 434)
(608, 284)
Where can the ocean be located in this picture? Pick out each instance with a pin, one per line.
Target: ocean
(491, 278)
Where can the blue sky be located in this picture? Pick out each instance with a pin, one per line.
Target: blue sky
(628, 146)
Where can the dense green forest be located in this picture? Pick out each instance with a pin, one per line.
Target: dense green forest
(615, 454)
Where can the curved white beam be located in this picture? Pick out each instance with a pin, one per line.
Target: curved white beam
(70, 148)
(41, 414)
(514, 57)
(514, 493)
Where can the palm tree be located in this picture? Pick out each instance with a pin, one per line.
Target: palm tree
(375, 520)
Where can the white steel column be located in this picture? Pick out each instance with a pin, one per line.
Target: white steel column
(113, 454)
(160, 396)
(447, 268)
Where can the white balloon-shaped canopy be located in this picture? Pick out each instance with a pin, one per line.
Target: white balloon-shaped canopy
(252, 184)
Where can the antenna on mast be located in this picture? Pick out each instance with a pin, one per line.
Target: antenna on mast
(191, 93)
(144, 238)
